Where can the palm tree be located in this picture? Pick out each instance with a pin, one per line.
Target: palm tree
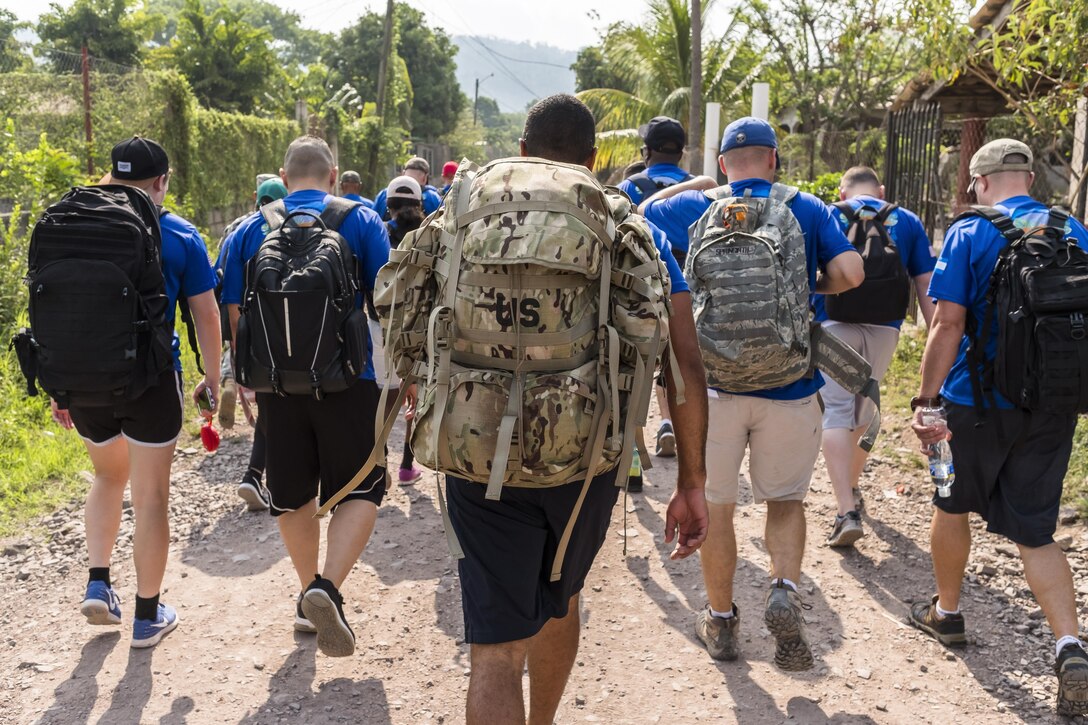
(654, 61)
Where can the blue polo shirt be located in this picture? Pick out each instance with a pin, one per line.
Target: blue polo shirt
(362, 229)
(431, 201)
(824, 240)
(962, 276)
(185, 268)
(909, 235)
(361, 199)
(676, 275)
(670, 173)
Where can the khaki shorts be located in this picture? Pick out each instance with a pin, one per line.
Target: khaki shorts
(875, 343)
(783, 440)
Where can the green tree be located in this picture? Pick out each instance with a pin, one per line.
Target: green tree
(111, 29)
(592, 70)
(12, 55)
(228, 62)
(652, 65)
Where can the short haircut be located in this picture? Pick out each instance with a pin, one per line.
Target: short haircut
(560, 128)
(859, 176)
(746, 154)
(308, 157)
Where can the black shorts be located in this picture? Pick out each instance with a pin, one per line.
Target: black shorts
(1010, 470)
(510, 546)
(316, 446)
(152, 420)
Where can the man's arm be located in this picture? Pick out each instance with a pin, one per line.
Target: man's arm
(699, 183)
(233, 313)
(844, 272)
(925, 302)
(942, 347)
(686, 514)
(209, 337)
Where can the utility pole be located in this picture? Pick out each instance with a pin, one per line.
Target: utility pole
(383, 86)
(87, 131)
(476, 98)
(695, 127)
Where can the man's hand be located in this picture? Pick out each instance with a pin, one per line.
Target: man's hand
(686, 519)
(411, 399)
(929, 434)
(211, 384)
(61, 417)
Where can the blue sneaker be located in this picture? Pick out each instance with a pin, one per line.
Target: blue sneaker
(147, 633)
(101, 605)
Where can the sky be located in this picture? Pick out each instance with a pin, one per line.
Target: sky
(569, 24)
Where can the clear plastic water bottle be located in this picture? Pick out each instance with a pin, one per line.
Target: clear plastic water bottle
(941, 469)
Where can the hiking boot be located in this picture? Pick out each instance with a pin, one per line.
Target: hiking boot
(666, 441)
(410, 475)
(228, 400)
(148, 632)
(252, 492)
(949, 630)
(784, 620)
(323, 606)
(101, 605)
(859, 500)
(846, 530)
(1072, 671)
(301, 623)
(719, 635)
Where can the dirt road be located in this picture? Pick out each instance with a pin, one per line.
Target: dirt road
(235, 659)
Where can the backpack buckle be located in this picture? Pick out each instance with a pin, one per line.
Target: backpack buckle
(1076, 321)
(315, 383)
(274, 379)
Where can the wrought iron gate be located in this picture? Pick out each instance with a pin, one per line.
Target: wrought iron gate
(911, 164)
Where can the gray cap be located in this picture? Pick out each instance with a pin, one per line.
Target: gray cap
(419, 164)
(994, 157)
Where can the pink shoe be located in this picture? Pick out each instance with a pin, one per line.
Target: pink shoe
(408, 475)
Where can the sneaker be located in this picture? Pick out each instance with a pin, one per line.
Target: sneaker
(948, 630)
(1072, 671)
(252, 492)
(859, 500)
(846, 530)
(228, 400)
(301, 623)
(101, 605)
(666, 441)
(719, 635)
(148, 632)
(323, 606)
(784, 620)
(408, 475)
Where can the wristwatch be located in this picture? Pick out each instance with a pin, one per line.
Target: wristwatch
(919, 402)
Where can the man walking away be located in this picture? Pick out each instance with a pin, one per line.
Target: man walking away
(896, 252)
(779, 426)
(1010, 456)
(351, 188)
(417, 168)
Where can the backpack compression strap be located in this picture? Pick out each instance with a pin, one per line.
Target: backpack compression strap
(275, 214)
(999, 219)
(336, 211)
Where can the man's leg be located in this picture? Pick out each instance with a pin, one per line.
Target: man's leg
(665, 444)
(718, 556)
(785, 538)
(301, 534)
(552, 652)
(150, 473)
(494, 687)
(1048, 575)
(950, 546)
(102, 514)
(349, 530)
(845, 463)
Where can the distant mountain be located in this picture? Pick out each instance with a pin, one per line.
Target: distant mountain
(523, 72)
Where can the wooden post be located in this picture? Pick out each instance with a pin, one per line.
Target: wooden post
(383, 89)
(87, 130)
(695, 126)
(971, 139)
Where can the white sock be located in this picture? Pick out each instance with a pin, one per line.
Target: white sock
(1066, 640)
(786, 582)
(665, 422)
(721, 615)
(942, 613)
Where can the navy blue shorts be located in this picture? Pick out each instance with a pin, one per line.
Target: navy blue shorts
(1010, 471)
(509, 549)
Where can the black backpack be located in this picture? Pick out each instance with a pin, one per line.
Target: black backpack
(884, 296)
(300, 332)
(649, 187)
(1039, 298)
(98, 333)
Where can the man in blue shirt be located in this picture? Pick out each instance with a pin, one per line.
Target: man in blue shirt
(317, 446)
(418, 168)
(663, 140)
(351, 188)
(1011, 469)
(860, 187)
(780, 428)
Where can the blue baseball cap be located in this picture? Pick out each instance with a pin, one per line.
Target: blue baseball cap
(749, 131)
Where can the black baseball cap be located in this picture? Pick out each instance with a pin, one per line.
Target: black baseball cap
(136, 159)
(663, 134)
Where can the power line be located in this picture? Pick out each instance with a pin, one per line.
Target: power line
(534, 62)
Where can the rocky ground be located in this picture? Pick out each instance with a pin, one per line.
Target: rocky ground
(235, 658)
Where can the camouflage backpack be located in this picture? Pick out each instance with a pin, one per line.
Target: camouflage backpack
(532, 311)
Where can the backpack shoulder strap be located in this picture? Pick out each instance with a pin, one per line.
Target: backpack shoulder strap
(275, 213)
(847, 210)
(1058, 219)
(190, 330)
(999, 219)
(783, 192)
(644, 183)
(336, 211)
(885, 211)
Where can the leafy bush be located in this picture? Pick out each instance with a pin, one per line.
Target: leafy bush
(824, 186)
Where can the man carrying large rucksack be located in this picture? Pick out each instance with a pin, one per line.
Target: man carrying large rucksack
(533, 311)
(757, 249)
(294, 277)
(1008, 356)
(107, 267)
(896, 254)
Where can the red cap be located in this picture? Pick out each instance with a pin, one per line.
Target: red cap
(449, 168)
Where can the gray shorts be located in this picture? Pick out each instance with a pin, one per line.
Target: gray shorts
(875, 343)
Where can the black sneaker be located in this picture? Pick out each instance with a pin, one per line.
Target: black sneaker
(323, 606)
(948, 630)
(666, 441)
(253, 493)
(301, 623)
(846, 530)
(1072, 671)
